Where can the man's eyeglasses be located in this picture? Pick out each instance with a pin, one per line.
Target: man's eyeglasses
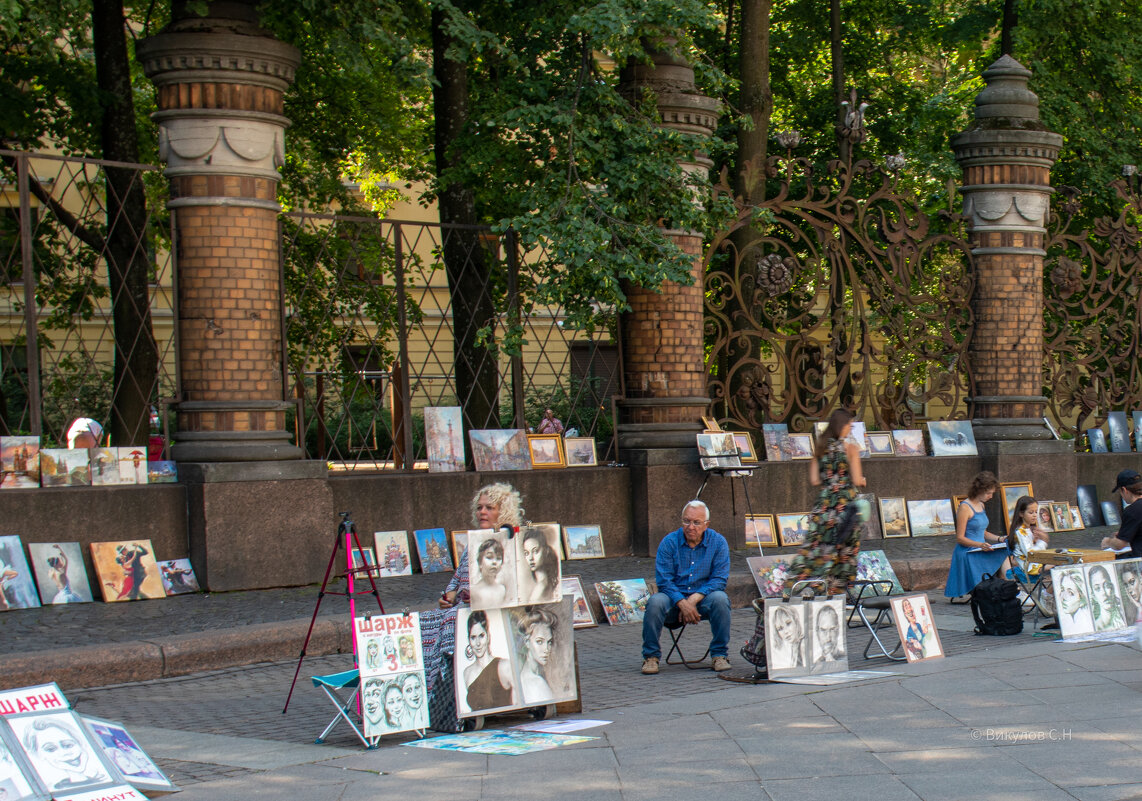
(692, 523)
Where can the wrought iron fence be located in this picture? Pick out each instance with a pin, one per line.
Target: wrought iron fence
(385, 317)
(838, 289)
(86, 308)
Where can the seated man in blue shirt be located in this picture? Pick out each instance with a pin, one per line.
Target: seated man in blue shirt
(691, 568)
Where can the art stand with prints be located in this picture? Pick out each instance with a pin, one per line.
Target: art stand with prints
(916, 627)
(432, 548)
(581, 615)
(718, 450)
(130, 762)
(17, 589)
(583, 542)
(444, 438)
(805, 637)
(178, 577)
(127, 570)
(391, 664)
(60, 572)
(60, 752)
(623, 600)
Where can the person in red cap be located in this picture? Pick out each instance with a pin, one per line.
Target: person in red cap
(1129, 485)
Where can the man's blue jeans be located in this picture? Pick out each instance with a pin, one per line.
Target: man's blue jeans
(715, 607)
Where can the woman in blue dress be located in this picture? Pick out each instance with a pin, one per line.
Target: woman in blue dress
(978, 551)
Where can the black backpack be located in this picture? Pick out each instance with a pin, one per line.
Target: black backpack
(996, 608)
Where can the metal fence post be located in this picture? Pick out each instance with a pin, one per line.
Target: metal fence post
(31, 332)
(511, 243)
(408, 460)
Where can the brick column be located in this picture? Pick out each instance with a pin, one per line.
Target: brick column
(661, 336)
(1006, 157)
(219, 82)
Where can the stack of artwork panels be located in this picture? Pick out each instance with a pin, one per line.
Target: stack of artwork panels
(581, 615)
(444, 439)
(393, 557)
(770, 573)
(17, 588)
(19, 462)
(60, 572)
(952, 438)
(512, 571)
(583, 542)
(178, 577)
(391, 663)
(432, 548)
(623, 600)
(1097, 596)
(513, 658)
(718, 450)
(931, 518)
(500, 449)
(805, 638)
(64, 467)
(916, 627)
(127, 570)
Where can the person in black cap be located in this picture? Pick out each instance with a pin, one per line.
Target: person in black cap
(1129, 485)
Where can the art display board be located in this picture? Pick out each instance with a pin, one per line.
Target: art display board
(162, 472)
(18, 782)
(432, 548)
(1097, 596)
(793, 528)
(393, 557)
(391, 664)
(132, 465)
(60, 572)
(879, 443)
(775, 437)
(718, 450)
(178, 577)
(444, 439)
(1009, 494)
(761, 531)
(499, 449)
(580, 451)
(916, 627)
(61, 752)
(623, 600)
(874, 566)
(17, 587)
(894, 518)
(65, 467)
(127, 570)
(952, 438)
(516, 570)
(581, 615)
(546, 451)
(513, 658)
(1119, 432)
(19, 462)
(104, 464)
(1088, 505)
(769, 573)
(37, 698)
(931, 518)
(805, 637)
(583, 542)
(908, 442)
(129, 761)
(1097, 440)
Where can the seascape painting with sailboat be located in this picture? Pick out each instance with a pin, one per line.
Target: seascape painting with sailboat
(931, 518)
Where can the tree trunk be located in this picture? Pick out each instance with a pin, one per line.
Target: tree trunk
(1007, 43)
(466, 261)
(128, 264)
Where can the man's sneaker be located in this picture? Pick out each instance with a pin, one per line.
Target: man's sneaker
(721, 663)
(650, 665)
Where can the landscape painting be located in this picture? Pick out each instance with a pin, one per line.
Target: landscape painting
(19, 462)
(580, 451)
(908, 442)
(583, 542)
(623, 600)
(792, 528)
(952, 438)
(500, 449)
(931, 518)
(760, 531)
(444, 438)
(894, 518)
(64, 467)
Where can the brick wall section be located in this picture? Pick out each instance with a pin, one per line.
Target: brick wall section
(219, 96)
(662, 343)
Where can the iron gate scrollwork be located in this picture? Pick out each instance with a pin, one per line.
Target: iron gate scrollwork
(837, 289)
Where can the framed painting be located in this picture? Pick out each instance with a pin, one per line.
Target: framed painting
(744, 443)
(546, 450)
(879, 443)
(459, 545)
(178, 577)
(1061, 515)
(711, 424)
(393, 557)
(894, 518)
(916, 627)
(623, 600)
(432, 548)
(60, 572)
(1096, 440)
(583, 542)
(61, 752)
(792, 528)
(126, 756)
(1076, 518)
(1046, 519)
(19, 462)
(956, 501)
(1119, 432)
(1088, 505)
(581, 615)
(444, 439)
(1009, 494)
(931, 518)
(759, 531)
(952, 438)
(499, 449)
(127, 570)
(801, 446)
(769, 573)
(908, 442)
(776, 439)
(1136, 418)
(1110, 513)
(363, 561)
(580, 451)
